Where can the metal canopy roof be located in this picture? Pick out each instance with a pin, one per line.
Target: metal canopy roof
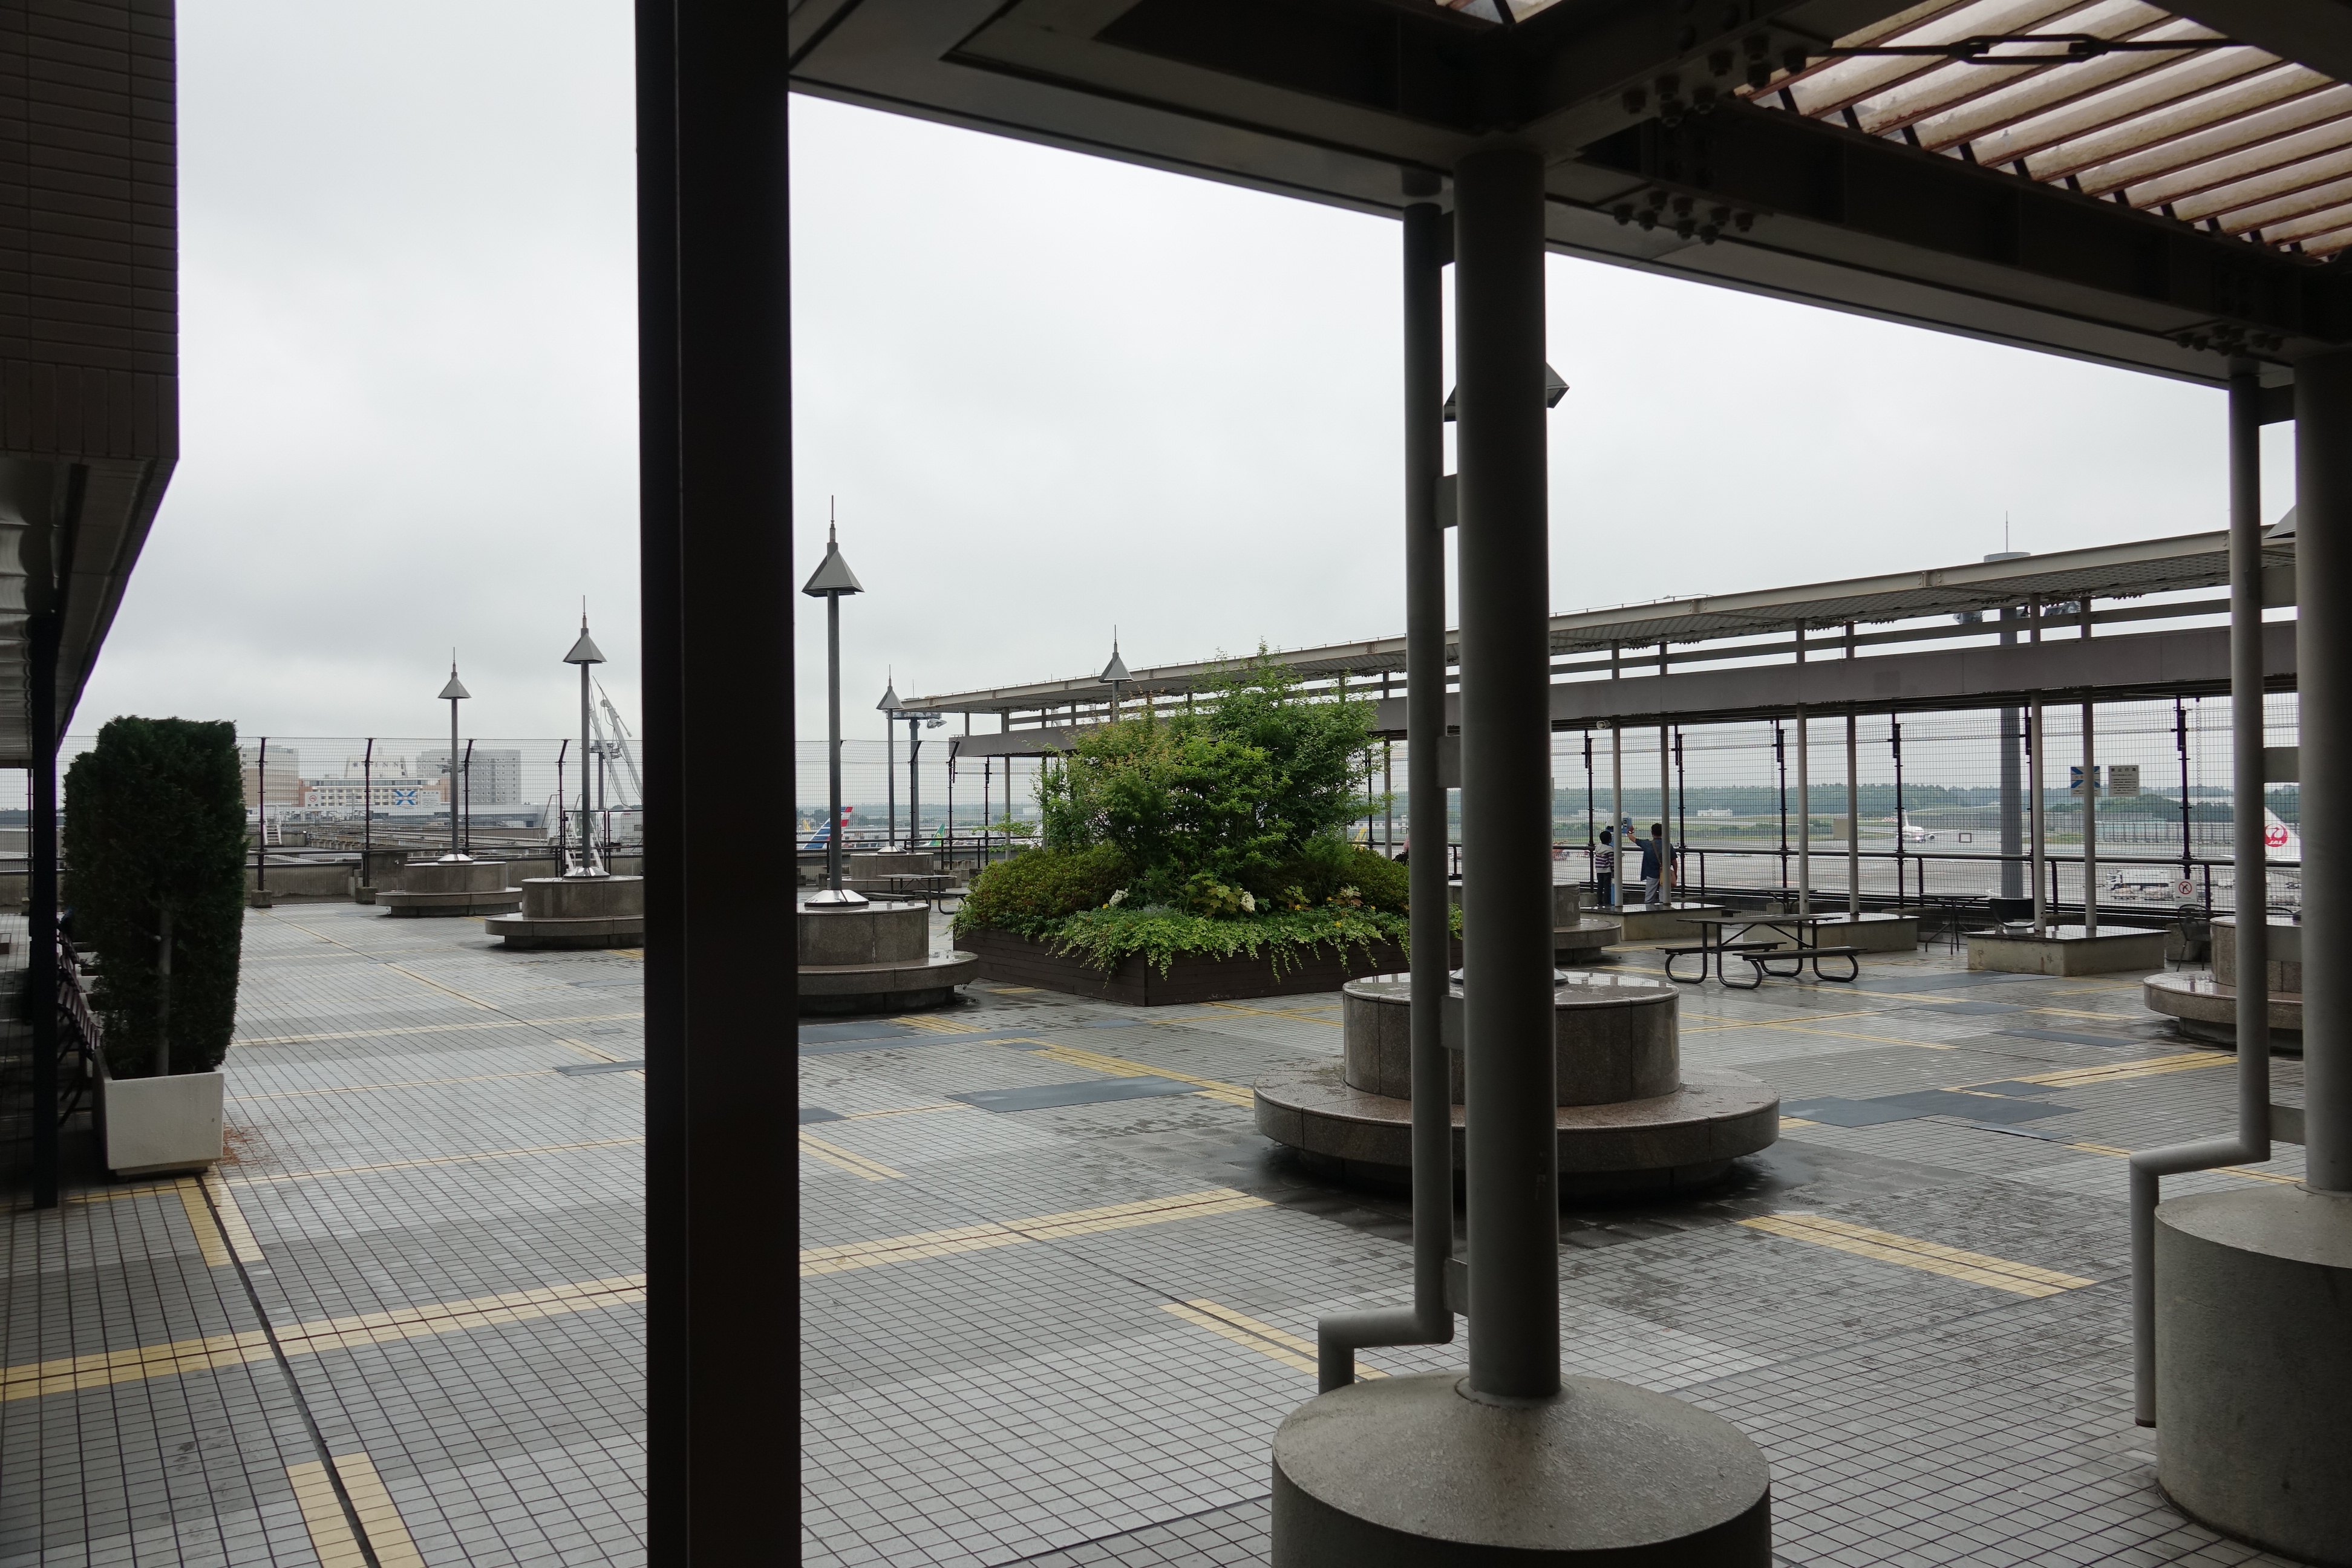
(1673, 148)
(2221, 135)
(2106, 572)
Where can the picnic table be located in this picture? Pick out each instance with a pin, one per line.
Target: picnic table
(1722, 938)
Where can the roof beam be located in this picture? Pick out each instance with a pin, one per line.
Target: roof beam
(1863, 201)
(2106, 669)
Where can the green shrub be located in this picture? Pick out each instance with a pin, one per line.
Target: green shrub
(1328, 871)
(1030, 892)
(156, 824)
(1221, 800)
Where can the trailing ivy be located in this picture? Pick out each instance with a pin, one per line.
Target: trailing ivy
(1106, 938)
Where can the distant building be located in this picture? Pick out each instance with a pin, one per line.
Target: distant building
(380, 793)
(497, 775)
(282, 777)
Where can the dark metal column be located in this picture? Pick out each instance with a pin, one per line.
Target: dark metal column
(1428, 240)
(2012, 787)
(2323, 649)
(1512, 1162)
(2247, 847)
(41, 904)
(1429, 1321)
(715, 496)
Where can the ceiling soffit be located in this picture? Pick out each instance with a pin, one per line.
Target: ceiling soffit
(2200, 228)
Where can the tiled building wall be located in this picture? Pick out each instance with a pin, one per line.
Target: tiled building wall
(89, 243)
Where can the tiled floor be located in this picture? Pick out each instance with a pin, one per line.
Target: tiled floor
(1061, 1335)
(408, 1161)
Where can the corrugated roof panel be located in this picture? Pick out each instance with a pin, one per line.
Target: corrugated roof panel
(2224, 135)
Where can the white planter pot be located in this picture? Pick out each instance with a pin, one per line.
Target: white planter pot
(155, 1124)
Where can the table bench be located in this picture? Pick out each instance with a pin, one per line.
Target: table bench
(1707, 950)
(1759, 963)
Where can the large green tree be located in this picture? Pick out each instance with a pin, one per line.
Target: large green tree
(155, 851)
(1251, 789)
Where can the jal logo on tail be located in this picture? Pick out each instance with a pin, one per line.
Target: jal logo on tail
(2274, 834)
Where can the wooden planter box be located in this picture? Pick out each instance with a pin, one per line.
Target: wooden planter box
(1017, 961)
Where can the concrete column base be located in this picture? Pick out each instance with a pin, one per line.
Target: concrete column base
(1414, 1471)
(2253, 1366)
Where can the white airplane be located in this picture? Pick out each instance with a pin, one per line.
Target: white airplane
(1910, 831)
(2282, 886)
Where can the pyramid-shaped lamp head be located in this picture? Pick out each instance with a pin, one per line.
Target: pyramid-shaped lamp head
(585, 651)
(833, 576)
(889, 703)
(456, 689)
(1114, 672)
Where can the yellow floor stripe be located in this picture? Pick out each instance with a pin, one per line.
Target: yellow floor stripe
(322, 1515)
(1850, 1035)
(437, 1029)
(1294, 1016)
(1788, 1122)
(1288, 1358)
(116, 1194)
(937, 1026)
(2117, 1072)
(987, 1234)
(1933, 1258)
(1283, 1345)
(209, 1245)
(402, 1083)
(231, 1219)
(1120, 1066)
(278, 1176)
(2219, 1170)
(30, 1380)
(331, 1529)
(841, 1159)
(903, 1111)
(1778, 1023)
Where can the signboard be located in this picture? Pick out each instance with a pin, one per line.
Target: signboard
(2074, 780)
(2123, 778)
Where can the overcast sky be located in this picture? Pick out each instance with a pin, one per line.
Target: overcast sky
(1051, 393)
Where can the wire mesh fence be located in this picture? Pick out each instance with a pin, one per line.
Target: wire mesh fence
(406, 780)
(1938, 804)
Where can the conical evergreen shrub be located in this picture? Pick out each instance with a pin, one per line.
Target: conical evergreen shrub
(155, 823)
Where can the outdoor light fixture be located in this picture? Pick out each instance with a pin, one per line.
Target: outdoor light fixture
(831, 580)
(1114, 674)
(453, 694)
(1554, 390)
(584, 653)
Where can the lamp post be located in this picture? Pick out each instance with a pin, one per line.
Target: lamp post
(585, 654)
(453, 694)
(831, 580)
(1114, 674)
(888, 709)
(917, 719)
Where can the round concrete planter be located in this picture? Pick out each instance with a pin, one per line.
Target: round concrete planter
(1579, 937)
(575, 913)
(2253, 1366)
(2205, 1002)
(450, 888)
(875, 958)
(1630, 1118)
